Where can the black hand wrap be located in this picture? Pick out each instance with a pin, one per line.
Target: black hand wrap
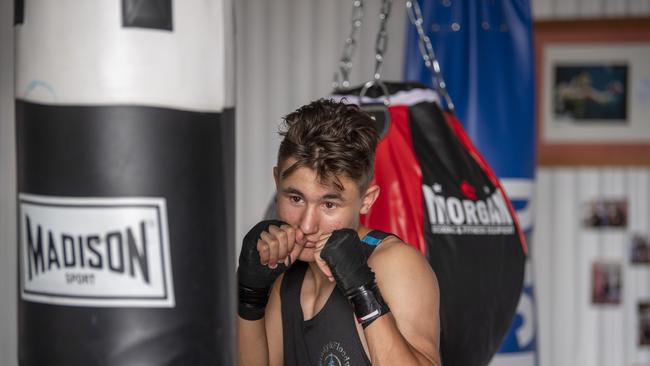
(255, 279)
(344, 254)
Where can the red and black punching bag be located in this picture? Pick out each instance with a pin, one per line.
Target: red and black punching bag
(439, 195)
(125, 130)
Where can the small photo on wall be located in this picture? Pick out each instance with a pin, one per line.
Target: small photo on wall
(644, 323)
(640, 249)
(593, 93)
(606, 282)
(604, 213)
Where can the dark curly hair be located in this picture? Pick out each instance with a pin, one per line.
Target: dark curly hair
(332, 138)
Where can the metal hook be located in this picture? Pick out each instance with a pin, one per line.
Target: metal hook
(370, 84)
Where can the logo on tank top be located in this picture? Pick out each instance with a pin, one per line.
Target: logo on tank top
(333, 354)
(467, 214)
(103, 252)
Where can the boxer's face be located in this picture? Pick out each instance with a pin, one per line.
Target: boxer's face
(317, 209)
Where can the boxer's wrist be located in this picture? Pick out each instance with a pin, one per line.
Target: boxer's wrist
(254, 279)
(367, 302)
(252, 302)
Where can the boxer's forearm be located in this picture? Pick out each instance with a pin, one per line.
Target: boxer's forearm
(387, 346)
(252, 344)
(255, 281)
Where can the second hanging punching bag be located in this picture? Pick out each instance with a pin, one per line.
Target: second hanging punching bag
(125, 130)
(495, 101)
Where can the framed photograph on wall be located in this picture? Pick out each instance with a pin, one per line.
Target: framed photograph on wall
(606, 282)
(639, 249)
(644, 323)
(593, 92)
(605, 213)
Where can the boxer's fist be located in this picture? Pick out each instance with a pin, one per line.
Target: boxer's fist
(344, 254)
(255, 277)
(279, 244)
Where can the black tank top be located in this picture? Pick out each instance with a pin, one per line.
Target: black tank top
(330, 338)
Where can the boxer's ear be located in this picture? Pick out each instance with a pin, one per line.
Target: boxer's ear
(369, 198)
(276, 177)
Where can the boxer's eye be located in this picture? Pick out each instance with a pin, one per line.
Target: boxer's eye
(330, 205)
(295, 199)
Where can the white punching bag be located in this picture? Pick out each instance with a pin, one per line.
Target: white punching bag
(125, 146)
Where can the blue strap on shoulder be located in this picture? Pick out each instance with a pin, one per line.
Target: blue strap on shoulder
(370, 240)
(374, 237)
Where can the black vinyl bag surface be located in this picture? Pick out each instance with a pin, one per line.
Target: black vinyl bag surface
(440, 196)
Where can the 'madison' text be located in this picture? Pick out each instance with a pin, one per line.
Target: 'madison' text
(118, 251)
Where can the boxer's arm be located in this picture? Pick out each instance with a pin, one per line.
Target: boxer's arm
(273, 325)
(260, 341)
(252, 344)
(258, 285)
(409, 334)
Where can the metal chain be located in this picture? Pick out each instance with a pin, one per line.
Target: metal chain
(426, 50)
(381, 41)
(342, 77)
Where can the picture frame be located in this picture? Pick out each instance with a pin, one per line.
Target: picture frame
(606, 282)
(639, 251)
(643, 323)
(593, 91)
(605, 214)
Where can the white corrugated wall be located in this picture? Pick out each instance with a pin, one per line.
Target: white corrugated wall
(8, 302)
(572, 330)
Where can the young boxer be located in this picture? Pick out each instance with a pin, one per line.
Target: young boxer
(318, 288)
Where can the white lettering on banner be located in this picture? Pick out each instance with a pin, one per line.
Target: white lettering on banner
(450, 215)
(526, 332)
(521, 190)
(103, 252)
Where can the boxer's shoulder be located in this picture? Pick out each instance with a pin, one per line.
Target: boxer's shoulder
(394, 252)
(407, 283)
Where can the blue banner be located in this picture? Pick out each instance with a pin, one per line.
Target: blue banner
(485, 51)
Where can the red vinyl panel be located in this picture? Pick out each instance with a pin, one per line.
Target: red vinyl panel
(398, 174)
